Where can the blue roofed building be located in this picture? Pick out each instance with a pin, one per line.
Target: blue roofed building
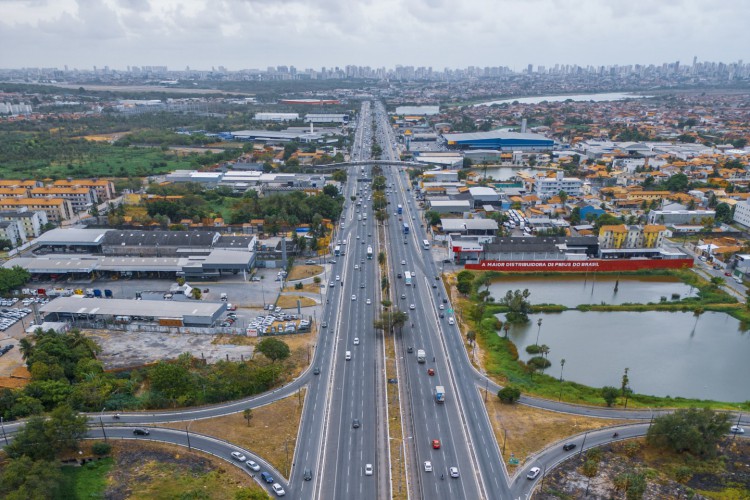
(500, 140)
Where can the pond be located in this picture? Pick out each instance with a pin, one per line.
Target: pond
(668, 354)
(575, 290)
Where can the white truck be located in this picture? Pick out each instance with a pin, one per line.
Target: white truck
(421, 356)
(440, 394)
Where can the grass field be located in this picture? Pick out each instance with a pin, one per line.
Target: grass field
(304, 271)
(290, 301)
(88, 481)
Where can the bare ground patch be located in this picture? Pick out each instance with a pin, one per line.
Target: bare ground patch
(304, 271)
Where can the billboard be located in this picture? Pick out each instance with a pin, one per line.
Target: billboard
(579, 266)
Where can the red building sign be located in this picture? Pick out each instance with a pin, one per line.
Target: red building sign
(579, 266)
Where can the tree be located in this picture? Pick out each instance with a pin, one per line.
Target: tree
(339, 175)
(610, 394)
(518, 305)
(196, 293)
(563, 196)
(273, 349)
(247, 414)
(43, 439)
(173, 380)
(509, 394)
(25, 478)
(381, 258)
(391, 319)
(467, 163)
(432, 217)
(694, 431)
(463, 287)
(330, 190)
(678, 182)
(723, 213)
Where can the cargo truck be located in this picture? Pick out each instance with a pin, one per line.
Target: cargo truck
(421, 357)
(440, 394)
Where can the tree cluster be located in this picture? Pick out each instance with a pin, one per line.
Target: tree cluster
(693, 431)
(518, 306)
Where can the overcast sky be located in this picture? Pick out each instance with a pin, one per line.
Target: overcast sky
(313, 33)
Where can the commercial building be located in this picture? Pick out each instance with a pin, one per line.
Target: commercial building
(470, 227)
(500, 140)
(189, 312)
(671, 217)
(547, 187)
(524, 249)
(327, 118)
(158, 243)
(450, 206)
(418, 110)
(276, 117)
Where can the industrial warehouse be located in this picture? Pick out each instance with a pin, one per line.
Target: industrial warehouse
(169, 313)
(500, 140)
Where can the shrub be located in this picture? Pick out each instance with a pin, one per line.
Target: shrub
(610, 394)
(533, 349)
(683, 474)
(101, 449)
(317, 280)
(298, 286)
(509, 394)
(539, 362)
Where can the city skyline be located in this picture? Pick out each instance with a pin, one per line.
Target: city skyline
(196, 33)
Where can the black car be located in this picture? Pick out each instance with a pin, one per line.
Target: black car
(434, 285)
(569, 446)
(141, 432)
(316, 371)
(356, 423)
(307, 475)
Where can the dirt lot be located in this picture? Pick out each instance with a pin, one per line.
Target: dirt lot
(304, 271)
(530, 430)
(725, 478)
(281, 416)
(125, 349)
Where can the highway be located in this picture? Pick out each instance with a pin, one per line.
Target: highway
(355, 431)
(461, 423)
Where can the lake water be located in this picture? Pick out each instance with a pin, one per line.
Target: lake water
(669, 354)
(611, 96)
(575, 290)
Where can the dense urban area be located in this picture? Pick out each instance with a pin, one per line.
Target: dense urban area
(358, 282)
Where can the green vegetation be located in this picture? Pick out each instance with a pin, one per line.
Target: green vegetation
(64, 370)
(88, 481)
(693, 431)
(501, 355)
(12, 278)
(509, 394)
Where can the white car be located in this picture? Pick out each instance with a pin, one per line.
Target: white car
(736, 429)
(238, 456)
(368, 302)
(252, 465)
(356, 267)
(533, 473)
(354, 297)
(412, 307)
(338, 278)
(278, 489)
(403, 262)
(451, 321)
(356, 340)
(368, 469)
(441, 307)
(428, 466)
(454, 471)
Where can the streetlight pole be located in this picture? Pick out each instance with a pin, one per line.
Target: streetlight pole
(101, 422)
(187, 434)
(583, 444)
(562, 365)
(5, 436)
(539, 329)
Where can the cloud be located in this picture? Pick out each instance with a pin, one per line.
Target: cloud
(313, 33)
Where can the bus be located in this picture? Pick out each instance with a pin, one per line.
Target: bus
(426, 244)
(337, 250)
(407, 278)
(406, 228)
(400, 209)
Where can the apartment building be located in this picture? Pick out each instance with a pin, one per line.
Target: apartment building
(9, 230)
(56, 209)
(31, 222)
(80, 198)
(105, 190)
(14, 192)
(621, 236)
(547, 187)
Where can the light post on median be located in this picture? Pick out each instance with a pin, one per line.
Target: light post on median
(187, 434)
(101, 422)
(5, 436)
(562, 365)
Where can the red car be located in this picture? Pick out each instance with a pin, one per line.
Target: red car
(435, 444)
(431, 372)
